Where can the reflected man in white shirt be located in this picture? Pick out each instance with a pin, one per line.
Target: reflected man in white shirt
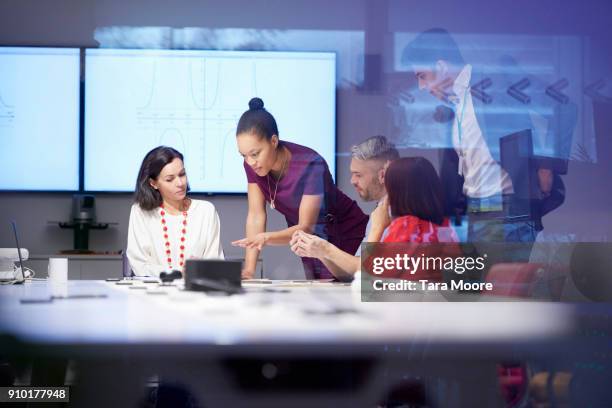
(474, 180)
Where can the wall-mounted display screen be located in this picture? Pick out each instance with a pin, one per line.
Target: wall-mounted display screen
(39, 118)
(191, 100)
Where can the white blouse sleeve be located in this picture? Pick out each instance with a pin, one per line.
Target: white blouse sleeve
(213, 250)
(140, 249)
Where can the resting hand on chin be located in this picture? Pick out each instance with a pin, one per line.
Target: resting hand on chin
(380, 216)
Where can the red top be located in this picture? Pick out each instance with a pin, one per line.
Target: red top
(412, 229)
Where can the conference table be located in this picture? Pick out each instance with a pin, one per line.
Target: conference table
(303, 343)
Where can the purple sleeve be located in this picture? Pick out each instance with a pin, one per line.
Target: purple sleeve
(314, 179)
(249, 173)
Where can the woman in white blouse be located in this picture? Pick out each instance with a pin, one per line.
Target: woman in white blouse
(166, 227)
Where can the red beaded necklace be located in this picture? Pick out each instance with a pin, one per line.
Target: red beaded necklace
(162, 213)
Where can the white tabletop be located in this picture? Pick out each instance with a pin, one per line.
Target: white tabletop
(274, 313)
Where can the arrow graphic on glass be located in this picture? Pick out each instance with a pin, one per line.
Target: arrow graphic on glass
(516, 89)
(554, 91)
(478, 92)
(406, 97)
(439, 90)
(593, 91)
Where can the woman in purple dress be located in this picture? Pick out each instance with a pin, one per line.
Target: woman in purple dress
(296, 181)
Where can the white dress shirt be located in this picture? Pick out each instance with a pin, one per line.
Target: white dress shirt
(483, 176)
(146, 250)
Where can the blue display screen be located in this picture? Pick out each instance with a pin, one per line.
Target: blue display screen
(39, 118)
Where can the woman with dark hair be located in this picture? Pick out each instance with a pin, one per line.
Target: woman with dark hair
(296, 181)
(413, 210)
(166, 227)
(412, 213)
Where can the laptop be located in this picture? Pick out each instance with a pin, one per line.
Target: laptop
(213, 275)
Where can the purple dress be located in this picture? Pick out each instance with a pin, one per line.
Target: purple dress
(340, 220)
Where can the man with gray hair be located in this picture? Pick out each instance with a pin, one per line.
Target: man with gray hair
(368, 163)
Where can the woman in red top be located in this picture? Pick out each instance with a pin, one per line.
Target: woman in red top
(413, 211)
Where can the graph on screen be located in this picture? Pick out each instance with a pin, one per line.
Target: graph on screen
(39, 118)
(136, 100)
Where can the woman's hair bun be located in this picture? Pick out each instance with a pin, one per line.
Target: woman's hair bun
(256, 104)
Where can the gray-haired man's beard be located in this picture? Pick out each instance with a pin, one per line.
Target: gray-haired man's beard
(366, 196)
(373, 193)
